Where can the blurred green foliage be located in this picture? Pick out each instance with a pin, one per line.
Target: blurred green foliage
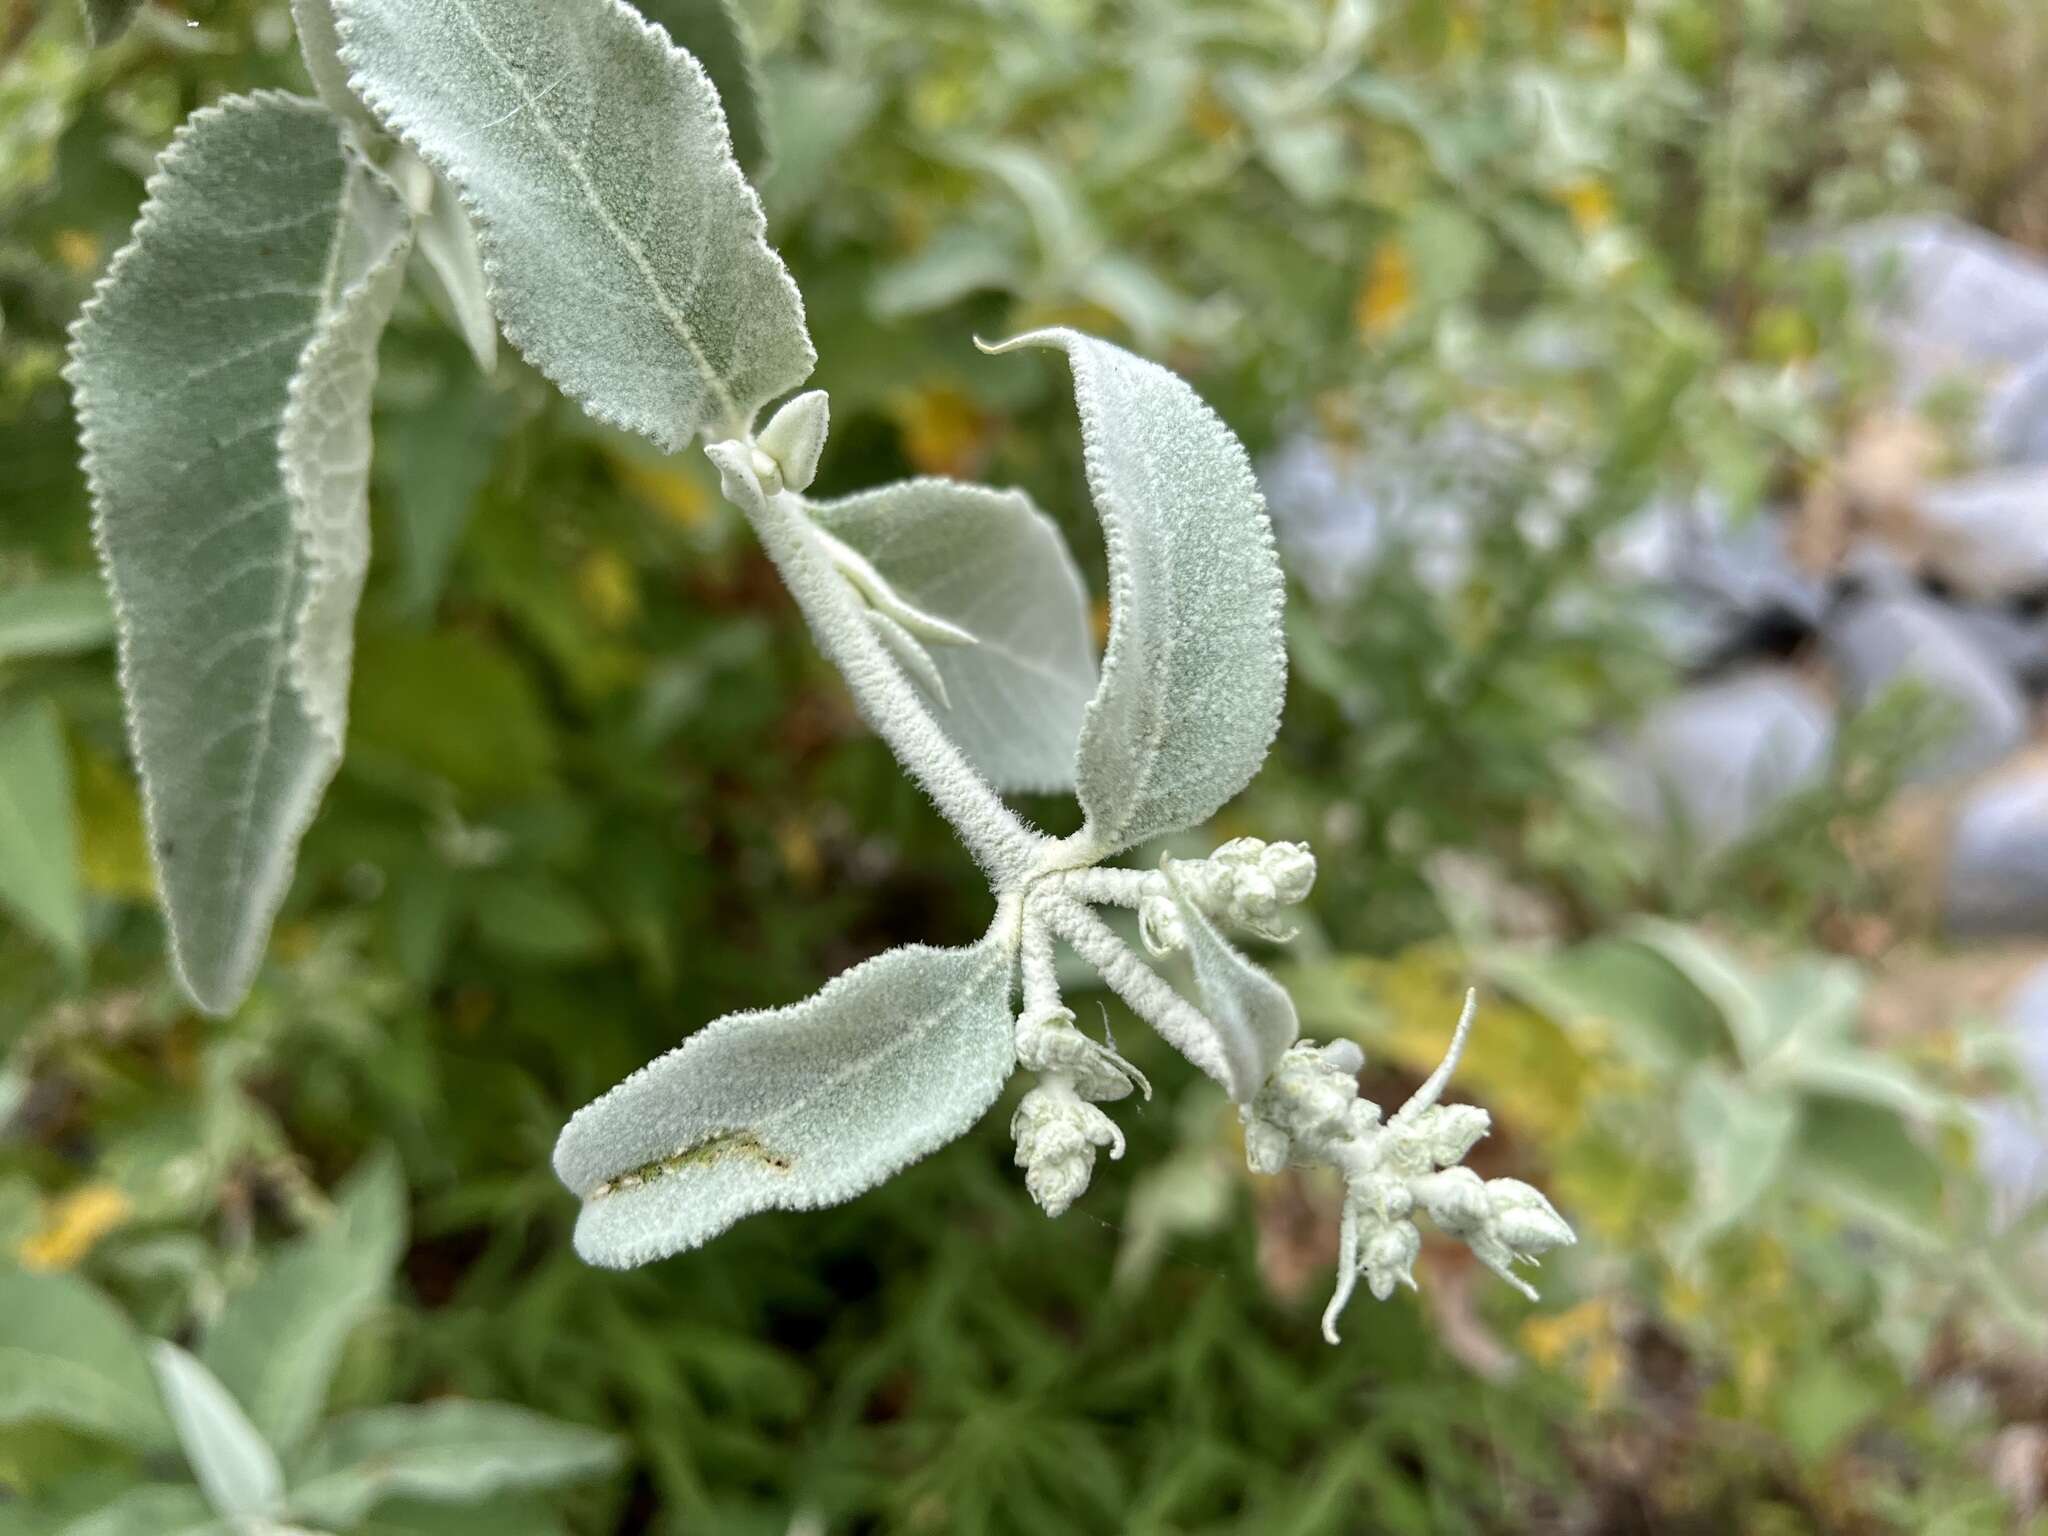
(600, 790)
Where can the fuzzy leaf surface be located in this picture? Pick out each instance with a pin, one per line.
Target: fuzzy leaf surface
(792, 1108)
(990, 563)
(236, 1469)
(1253, 1016)
(453, 1451)
(222, 373)
(1196, 669)
(713, 33)
(625, 251)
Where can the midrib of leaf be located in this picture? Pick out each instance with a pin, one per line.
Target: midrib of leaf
(252, 775)
(677, 323)
(1154, 699)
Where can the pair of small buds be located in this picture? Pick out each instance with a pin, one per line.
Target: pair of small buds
(784, 457)
(1246, 883)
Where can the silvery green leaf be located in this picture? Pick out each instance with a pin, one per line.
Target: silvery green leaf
(1252, 1015)
(276, 1343)
(57, 617)
(106, 20)
(222, 373)
(236, 1469)
(451, 259)
(154, 1509)
(715, 35)
(792, 1108)
(38, 828)
(452, 1451)
(1196, 670)
(624, 248)
(991, 564)
(69, 1356)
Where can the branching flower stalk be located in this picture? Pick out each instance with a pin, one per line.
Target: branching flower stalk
(568, 177)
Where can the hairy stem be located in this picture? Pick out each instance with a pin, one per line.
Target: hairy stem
(1143, 989)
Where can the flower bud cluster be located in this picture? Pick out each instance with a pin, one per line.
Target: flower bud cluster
(1310, 1113)
(1246, 883)
(1057, 1127)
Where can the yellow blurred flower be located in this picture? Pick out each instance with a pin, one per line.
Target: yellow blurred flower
(1388, 292)
(608, 588)
(1589, 202)
(72, 1224)
(943, 432)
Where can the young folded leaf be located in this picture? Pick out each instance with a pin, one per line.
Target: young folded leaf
(996, 567)
(1196, 669)
(1252, 1014)
(452, 260)
(222, 373)
(625, 250)
(320, 48)
(792, 1108)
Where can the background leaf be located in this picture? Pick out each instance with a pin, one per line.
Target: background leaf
(232, 338)
(791, 1108)
(236, 1469)
(39, 828)
(624, 248)
(153, 1509)
(992, 564)
(56, 617)
(276, 1343)
(1195, 671)
(106, 20)
(69, 1356)
(453, 1451)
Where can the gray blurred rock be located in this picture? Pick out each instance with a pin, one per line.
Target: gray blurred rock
(1957, 304)
(1988, 533)
(1715, 588)
(1996, 881)
(1878, 639)
(1709, 764)
(2011, 1148)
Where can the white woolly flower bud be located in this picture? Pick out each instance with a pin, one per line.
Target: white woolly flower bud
(1048, 1042)
(1159, 921)
(1388, 1258)
(1524, 1220)
(1446, 1133)
(1247, 883)
(1291, 868)
(1310, 1096)
(1056, 1136)
(1267, 1148)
